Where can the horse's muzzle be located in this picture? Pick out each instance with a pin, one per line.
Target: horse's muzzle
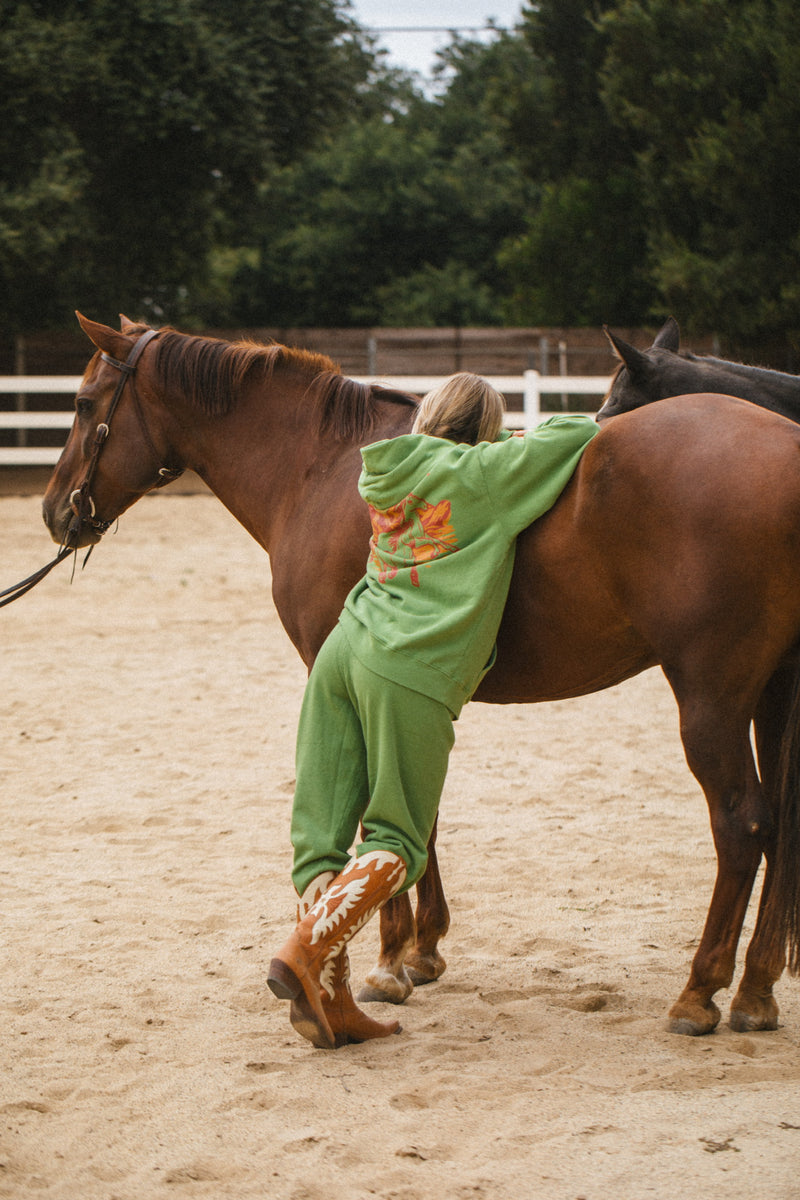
(66, 529)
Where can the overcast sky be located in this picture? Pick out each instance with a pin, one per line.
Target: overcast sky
(416, 51)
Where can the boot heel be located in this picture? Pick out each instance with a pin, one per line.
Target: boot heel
(282, 981)
(307, 1018)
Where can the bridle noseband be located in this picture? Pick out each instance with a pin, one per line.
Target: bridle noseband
(80, 499)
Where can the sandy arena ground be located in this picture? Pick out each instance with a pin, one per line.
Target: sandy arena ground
(149, 722)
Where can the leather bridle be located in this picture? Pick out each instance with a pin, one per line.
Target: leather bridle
(80, 500)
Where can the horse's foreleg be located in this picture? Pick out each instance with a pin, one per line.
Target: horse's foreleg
(409, 943)
(424, 962)
(718, 752)
(389, 980)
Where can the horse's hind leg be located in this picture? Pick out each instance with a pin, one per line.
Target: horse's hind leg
(754, 1006)
(716, 740)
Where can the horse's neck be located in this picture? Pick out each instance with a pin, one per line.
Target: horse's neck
(255, 458)
(295, 490)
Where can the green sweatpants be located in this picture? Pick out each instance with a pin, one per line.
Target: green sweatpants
(368, 750)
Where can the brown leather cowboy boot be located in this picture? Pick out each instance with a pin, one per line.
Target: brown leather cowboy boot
(306, 969)
(347, 1021)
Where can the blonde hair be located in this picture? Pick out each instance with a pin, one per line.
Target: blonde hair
(465, 408)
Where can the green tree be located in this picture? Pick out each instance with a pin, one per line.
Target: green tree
(582, 258)
(137, 135)
(396, 219)
(709, 91)
(579, 263)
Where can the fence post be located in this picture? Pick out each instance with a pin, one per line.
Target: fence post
(531, 399)
(20, 368)
(544, 355)
(562, 370)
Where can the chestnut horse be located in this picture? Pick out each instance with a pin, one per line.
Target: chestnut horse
(665, 549)
(662, 371)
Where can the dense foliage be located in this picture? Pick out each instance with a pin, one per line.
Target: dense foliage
(257, 163)
(709, 94)
(135, 138)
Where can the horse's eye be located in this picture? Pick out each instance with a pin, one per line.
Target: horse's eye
(84, 407)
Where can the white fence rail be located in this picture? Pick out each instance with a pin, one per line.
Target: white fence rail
(530, 385)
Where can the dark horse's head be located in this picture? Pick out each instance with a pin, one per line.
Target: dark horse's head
(646, 375)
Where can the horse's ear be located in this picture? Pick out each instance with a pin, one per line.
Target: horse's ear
(118, 345)
(668, 336)
(126, 325)
(636, 362)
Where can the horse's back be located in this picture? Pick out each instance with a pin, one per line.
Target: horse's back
(682, 520)
(692, 459)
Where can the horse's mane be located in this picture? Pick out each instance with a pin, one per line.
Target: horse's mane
(210, 373)
(768, 374)
(727, 366)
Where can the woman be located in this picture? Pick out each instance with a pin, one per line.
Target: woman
(414, 639)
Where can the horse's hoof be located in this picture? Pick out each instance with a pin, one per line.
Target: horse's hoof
(425, 968)
(693, 1019)
(742, 1022)
(762, 1015)
(686, 1027)
(381, 985)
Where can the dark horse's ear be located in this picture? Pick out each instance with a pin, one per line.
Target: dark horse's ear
(118, 345)
(636, 362)
(668, 337)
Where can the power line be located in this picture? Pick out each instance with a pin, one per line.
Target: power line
(436, 28)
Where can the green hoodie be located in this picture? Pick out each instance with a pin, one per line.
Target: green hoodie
(445, 520)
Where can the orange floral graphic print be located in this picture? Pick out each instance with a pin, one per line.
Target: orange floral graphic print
(410, 534)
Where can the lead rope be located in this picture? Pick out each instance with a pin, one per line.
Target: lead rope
(25, 585)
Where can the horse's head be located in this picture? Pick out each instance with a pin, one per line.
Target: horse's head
(640, 377)
(114, 452)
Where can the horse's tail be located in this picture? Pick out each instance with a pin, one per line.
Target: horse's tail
(784, 898)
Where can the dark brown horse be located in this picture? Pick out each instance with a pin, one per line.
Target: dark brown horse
(662, 371)
(666, 548)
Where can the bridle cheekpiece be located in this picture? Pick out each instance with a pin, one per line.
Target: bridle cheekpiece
(80, 499)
